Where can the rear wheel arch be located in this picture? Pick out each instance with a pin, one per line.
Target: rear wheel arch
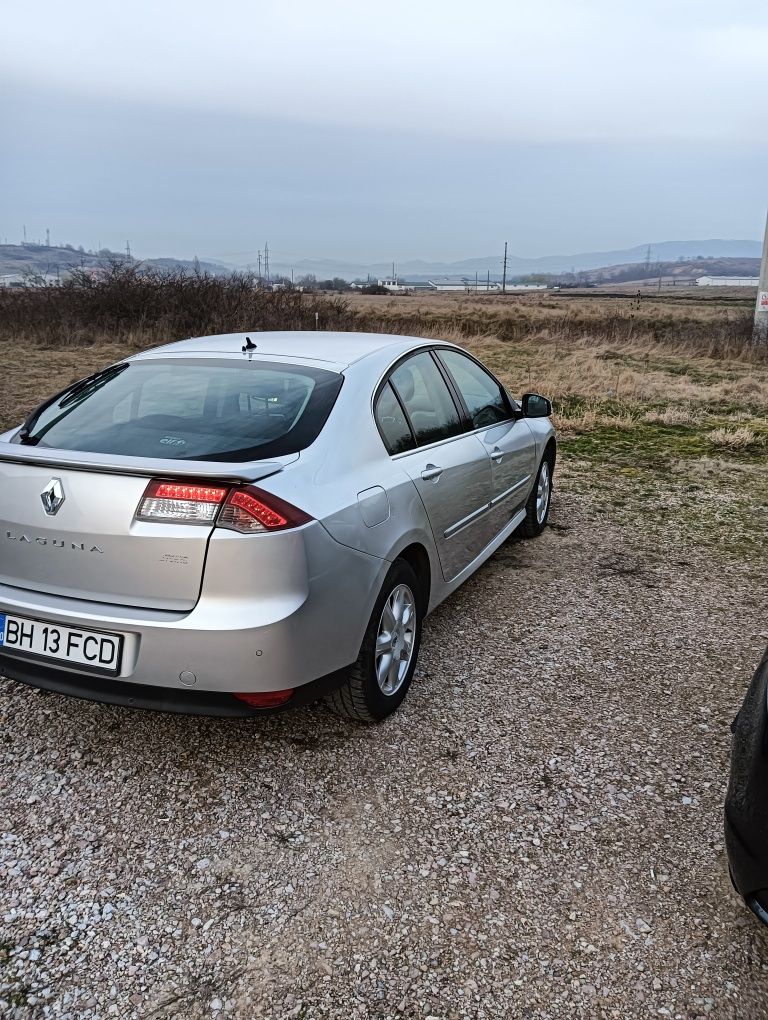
(363, 695)
(417, 558)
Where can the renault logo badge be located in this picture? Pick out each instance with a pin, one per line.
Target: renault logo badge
(52, 496)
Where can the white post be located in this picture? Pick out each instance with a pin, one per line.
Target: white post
(761, 308)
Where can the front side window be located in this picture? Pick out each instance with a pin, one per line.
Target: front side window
(483, 396)
(189, 410)
(427, 400)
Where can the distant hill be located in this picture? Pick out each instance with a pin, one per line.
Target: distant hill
(421, 270)
(736, 257)
(680, 270)
(22, 259)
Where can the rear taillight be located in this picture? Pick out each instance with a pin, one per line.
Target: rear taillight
(245, 509)
(181, 502)
(249, 509)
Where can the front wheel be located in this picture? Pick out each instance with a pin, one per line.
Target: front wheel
(379, 680)
(537, 507)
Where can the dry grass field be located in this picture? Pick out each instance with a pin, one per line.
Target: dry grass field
(660, 400)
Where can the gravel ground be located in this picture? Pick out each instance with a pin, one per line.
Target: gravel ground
(536, 834)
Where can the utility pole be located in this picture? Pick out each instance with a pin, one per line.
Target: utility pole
(128, 250)
(47, 237)
(488, 280)
(24, 228)
(760, 333)
(266, 260)
(504, 276)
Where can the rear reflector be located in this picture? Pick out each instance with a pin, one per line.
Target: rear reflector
(182, 503)
(266, 699)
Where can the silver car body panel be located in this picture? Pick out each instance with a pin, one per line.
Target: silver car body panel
(261, 612)
(453, 479)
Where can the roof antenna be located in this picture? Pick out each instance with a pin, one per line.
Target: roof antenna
(249, 345)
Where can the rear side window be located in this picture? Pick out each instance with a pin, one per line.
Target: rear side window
(190, 410)
(427, 400)
(395, 430)
(481, 393)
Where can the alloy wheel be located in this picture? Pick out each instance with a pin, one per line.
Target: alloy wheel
(395, 639)
(543, 489)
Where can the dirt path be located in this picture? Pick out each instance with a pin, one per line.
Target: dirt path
(536, 834)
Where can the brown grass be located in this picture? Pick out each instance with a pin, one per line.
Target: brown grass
(717, 327)
(171, 305)
(606, 362)
(741, 438)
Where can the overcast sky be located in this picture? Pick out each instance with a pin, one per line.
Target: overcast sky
(378, 131)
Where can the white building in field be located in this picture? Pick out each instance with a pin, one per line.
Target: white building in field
(481, 286)
(393, 285)
(727, 281)
(459, 286)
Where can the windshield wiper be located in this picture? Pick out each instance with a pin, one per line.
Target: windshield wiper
(73, 394)
(92, 383)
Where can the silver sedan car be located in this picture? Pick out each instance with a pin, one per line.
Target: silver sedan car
(235, 524)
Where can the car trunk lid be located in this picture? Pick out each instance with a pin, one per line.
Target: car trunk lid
(88, 544)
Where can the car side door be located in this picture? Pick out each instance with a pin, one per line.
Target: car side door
(508, 440)
(449, 467)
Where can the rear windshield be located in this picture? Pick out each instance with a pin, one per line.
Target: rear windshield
(189, 410)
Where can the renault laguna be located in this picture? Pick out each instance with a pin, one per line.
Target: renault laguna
(234, 524)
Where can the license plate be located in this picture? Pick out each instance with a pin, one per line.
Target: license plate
(38, 639)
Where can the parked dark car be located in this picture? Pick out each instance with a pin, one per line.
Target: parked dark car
(746, 806)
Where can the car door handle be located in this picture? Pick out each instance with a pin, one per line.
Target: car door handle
(497, 454)
(430, 472)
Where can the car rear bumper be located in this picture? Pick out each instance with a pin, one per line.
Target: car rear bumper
(293, 614)
(184, 701)
(746, 807)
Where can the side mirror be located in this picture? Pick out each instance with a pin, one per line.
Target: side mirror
(536, 406)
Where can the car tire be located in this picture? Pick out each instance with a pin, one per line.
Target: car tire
(539, 501)
(375, 686)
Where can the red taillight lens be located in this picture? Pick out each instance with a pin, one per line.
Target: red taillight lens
(181, 502)
(250, 509)
(246, 509)
(195, 493)
(265, 699)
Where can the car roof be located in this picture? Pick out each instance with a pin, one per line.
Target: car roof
(332, 350)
